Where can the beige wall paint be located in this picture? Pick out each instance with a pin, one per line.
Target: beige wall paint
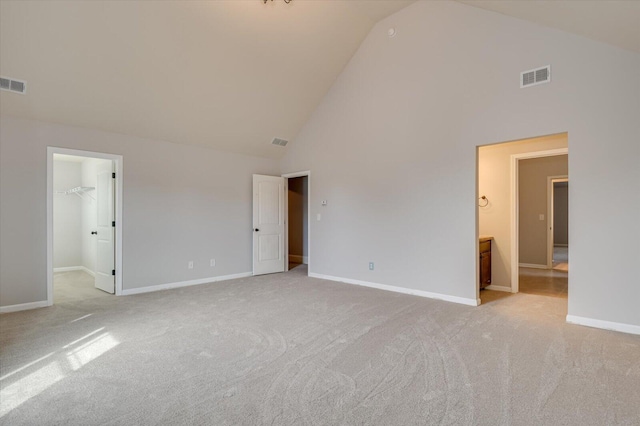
(532, 197)
(181, 203)
(561, 213)
(494, 181)
(392, 147)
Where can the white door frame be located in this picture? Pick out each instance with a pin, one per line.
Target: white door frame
(288, 176)
(515, 225)
(117, 161)
(550, 214)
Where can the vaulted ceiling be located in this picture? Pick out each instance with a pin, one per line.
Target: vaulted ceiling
(226, 74)
(616, 22)
(230, 75)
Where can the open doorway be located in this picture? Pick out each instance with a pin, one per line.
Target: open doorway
(298, 232)
(298, 221)
(514, 215)
(558, 189)
(84, 226)
(277, 238)
(536, 173)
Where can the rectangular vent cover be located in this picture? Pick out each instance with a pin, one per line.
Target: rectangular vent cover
(13, 85)
(279, 142)
(534, 77)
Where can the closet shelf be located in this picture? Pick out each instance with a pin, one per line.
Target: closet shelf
(80, 191)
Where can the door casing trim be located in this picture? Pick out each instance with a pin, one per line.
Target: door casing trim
(118, 166)
(515, 223)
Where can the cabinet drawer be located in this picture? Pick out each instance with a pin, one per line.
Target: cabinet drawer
(485, 246)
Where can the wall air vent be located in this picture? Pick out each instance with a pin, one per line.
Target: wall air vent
(534, 77)
(13, 85)
(279, 142)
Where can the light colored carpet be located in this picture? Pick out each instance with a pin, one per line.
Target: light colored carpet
(74, 286)
(286, 349)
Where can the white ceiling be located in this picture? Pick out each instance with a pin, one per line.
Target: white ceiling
(615, 22)
(225, 74)
(230, 75)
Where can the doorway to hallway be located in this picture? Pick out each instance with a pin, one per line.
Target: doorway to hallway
(516, 213)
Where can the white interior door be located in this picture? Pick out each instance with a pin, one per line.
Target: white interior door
(268, 224)
(105, 253)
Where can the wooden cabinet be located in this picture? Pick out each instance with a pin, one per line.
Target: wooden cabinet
(485, 262)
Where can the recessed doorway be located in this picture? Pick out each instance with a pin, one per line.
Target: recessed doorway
(298, 223)
(277, 238)
(298, 200)
(514, 212)
(84, 225)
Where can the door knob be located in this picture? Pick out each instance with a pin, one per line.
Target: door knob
(256, 230)
(94, 232)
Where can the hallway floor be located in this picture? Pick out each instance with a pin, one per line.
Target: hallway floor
(74, 286)
(548, 282)
(544, 282)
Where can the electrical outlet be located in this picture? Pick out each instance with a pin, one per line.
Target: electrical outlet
(371, 266)
(212, 263)
(190, 266)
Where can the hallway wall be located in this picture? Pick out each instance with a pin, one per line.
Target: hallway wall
(67, 215)
(532, 197)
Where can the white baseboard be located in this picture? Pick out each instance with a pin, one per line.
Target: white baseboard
(23, 307)
(445, 297)
(88, 271)
(74, 268)
(305, 260)
(498, 288)
(532, 265)
(179, 284)
(605, 325)
(68, 269)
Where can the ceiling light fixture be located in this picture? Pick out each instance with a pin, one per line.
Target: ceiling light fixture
(286, 1)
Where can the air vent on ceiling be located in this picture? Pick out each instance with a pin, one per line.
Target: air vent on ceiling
(279, 142)
(13, 85)
(534, 77)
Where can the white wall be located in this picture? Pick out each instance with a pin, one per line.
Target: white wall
(494, 181)
(67, 216)
(392, 147)
(181, 203)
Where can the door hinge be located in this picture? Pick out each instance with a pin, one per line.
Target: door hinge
(113, 272)
(113, 223)
(113, 175)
